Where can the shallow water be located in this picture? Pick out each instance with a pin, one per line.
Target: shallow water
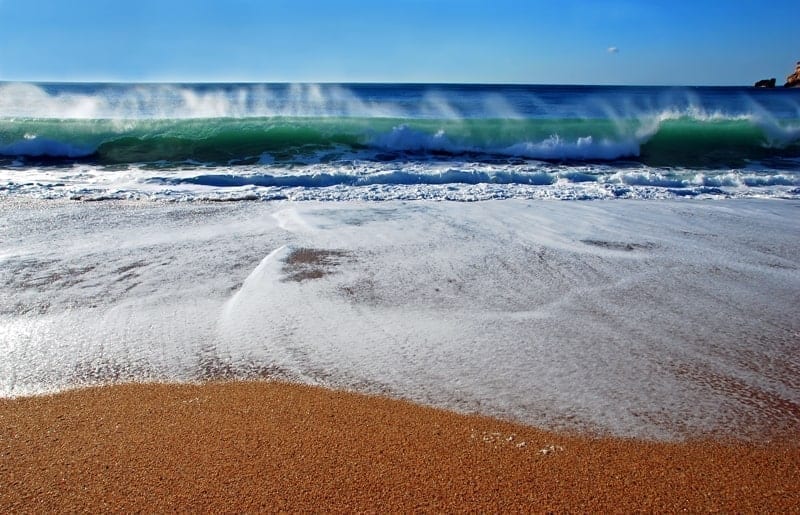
(637, 318)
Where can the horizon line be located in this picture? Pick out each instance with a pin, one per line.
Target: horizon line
(370, 82)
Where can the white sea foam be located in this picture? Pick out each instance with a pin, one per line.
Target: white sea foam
(583, 148)
(627, 317)
(394, 180)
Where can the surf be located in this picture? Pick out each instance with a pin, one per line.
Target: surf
(682, 141)
(404, 141)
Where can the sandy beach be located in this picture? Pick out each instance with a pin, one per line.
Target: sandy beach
(263, 446)
(648, 353)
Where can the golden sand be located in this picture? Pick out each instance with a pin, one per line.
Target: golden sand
(262, 446)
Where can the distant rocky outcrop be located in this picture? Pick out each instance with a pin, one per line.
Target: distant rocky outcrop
(765, 83)
(793, 80)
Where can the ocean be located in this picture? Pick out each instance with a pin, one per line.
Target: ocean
(396, 141)
(399, 240)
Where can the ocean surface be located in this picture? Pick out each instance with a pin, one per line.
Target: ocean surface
(396, 141)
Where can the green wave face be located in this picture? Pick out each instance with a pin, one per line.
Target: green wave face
(731, 143)
(675, 142)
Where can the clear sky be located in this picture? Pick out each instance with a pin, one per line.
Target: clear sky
(526, 41)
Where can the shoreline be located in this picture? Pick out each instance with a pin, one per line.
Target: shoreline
(636, 319)
(272, 446)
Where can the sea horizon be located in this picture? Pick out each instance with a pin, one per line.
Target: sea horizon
(383, 82)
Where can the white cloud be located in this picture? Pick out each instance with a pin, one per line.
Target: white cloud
(613, 50)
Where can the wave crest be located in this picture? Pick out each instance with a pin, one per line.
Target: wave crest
(247, 124)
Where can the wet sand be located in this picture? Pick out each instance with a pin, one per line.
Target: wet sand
(265, 446)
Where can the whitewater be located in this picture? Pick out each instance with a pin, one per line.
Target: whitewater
(401, 240)
(389, 141)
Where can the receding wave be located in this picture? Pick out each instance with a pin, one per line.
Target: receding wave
(693, 184)
(393, 177)
(670, 141)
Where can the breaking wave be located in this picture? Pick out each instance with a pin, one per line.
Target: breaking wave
(384, 141)
(670, 141)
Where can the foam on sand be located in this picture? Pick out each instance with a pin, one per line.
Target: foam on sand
(648, 319)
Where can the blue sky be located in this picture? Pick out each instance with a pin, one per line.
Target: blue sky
(658, 42)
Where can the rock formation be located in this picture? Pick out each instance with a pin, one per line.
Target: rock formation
(765, 83)
(793, 80)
